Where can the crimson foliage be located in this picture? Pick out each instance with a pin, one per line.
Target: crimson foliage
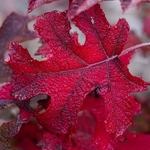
(88, 87)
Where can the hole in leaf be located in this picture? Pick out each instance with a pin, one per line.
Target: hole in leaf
(92, 20)
(41, 102)
(32, 47)
(79, 34)
(30, 25)
(8, 111)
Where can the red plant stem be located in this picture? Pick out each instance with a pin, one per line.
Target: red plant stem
(133, 48)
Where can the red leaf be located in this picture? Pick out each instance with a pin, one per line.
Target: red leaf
(14, 28)
(135, 141)
(78, 6)
(73, 71)
(36, 3)
(96, 105)
(75, 8)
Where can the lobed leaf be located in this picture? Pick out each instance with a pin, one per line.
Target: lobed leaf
(72, 71)
(96, 105)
